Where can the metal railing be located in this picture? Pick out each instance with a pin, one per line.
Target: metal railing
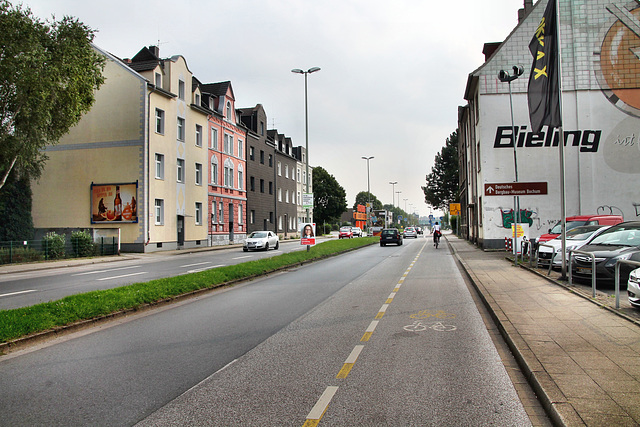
(618, 263)
(553, 255)
(593, 268)
(12, 252)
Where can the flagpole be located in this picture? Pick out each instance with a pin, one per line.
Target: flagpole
(563, 198)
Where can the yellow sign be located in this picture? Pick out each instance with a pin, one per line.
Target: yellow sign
(454, 208)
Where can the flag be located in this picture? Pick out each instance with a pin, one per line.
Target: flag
(544, 80)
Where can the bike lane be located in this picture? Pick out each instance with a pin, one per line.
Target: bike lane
(402, 345)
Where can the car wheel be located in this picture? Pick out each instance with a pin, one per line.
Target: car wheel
(245, 250)
(277, 245)
(266, 247)
(381, 244)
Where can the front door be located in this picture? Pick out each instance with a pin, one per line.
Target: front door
(180, 227)
(231, 222)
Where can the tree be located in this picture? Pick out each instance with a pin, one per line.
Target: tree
(49, 73)
(442, 183)
(15, 210)
(363, 197)
(329, 198)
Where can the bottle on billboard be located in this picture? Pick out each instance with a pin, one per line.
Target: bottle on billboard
(117, 205)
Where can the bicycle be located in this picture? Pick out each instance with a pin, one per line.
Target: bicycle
(436, 239)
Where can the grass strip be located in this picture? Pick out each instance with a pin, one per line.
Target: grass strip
(25, 321)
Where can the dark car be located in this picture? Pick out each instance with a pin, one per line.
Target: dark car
(390, 235)
(619, 242)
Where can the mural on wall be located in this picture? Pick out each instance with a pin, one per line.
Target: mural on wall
(525, 217)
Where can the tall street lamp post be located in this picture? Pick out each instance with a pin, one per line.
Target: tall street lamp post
(398, 193)
(393, 193)
(368, 210)
(504, 76)
(306, 126)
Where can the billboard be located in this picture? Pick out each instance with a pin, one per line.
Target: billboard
(308, 234)
(114, 203)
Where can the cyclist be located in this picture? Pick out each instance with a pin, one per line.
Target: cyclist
(436, 234)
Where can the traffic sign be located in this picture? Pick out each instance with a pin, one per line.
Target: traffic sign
(515, 189)
(454, 208)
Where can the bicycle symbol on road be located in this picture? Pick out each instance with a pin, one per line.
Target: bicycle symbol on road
(419, 326)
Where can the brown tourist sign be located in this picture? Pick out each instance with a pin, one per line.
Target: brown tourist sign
(515, 189)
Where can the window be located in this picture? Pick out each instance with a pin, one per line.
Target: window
(181, 89)
(240, 148)
(240, 178)
(214, 170)
(228, 144)
(270, 217)
(198, 174)
(262, 128)
(280, 223)
(197, 99)
(251, 153)
(279, 194)
(180, 170)
(220, 212)
(270, 160)
(158, 80)
(198, 213)
(198, 136)
(298, 175)
(270, 187)
(214, 213)
(279, 169)
(262, 185)
(159, 212)
(214, 139)
(229, 111)
(240, 214)
(299, 199)
(286, 171)
(286, 196)
(159, 166)
(252, 184)
(261, 157)
(180, 129)
(304, 177)
(252, 217)
(159, 121)
(228, 173)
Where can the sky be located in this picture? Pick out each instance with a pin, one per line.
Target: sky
(393, 73)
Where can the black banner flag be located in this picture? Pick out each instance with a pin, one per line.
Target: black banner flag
(544, 81)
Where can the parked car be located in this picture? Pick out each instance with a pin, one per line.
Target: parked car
(410, 232)
(261, 240)
(633, 288)
(390, 235)
(619, 242)
(576, 221)
(576, 237)
(357, 231)
(345, 233)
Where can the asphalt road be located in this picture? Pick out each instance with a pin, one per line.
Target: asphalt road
(378, 336)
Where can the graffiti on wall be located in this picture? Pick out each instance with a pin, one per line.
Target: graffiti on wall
(525, 217)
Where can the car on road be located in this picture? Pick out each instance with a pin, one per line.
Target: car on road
(390, 235)
(357, 231)
(576, 237)
(261, 240)
(410, 232)
(633, 288)
(618, 242)
(345, 233)
(576, 221)
(419, 230)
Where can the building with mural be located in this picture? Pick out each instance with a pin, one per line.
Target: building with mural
(601, 123)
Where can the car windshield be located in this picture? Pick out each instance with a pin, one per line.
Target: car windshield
(619, 236)
(388, 232)
(345, 229)
(557, 229)
(258, 235)
(581, 233)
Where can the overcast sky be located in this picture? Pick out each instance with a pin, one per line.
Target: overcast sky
(393, 73)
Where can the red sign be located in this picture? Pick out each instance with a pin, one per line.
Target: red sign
(516, 189)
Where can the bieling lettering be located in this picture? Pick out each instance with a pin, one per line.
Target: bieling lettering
(587, 140)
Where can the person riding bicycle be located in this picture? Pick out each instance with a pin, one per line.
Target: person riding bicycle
(436, 234)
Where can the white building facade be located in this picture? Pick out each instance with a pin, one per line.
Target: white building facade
(601, 123)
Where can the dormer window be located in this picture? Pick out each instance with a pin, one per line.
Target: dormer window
(197, 101)
(158, 80)
(229, 110)
(181, 89)
(211, 103)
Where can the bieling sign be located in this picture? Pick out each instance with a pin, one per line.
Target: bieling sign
(515, 189)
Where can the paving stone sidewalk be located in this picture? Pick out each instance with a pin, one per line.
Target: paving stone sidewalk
(582, 360)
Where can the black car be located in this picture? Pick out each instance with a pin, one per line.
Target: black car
(390, 235)
(619, 242)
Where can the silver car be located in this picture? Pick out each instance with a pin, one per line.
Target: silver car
(261, 240)
(633, 288)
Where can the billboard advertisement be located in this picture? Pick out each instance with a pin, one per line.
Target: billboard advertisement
(114, 203)
(308, 234)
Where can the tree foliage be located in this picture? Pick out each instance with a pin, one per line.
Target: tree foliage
(363, 197)
(15, 210)
(329, 198)
(442, 185)
(49, 73)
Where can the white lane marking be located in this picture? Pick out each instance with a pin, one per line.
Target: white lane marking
(124, 275)
(372, 326)
(193, 265)
(354, 354)
(321, 405)
(17, 293)
(106, 271)
(198, 270)
(241, 257)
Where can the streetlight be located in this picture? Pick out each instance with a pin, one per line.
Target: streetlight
(398, 193)
(306, 124)
(405, 204)
(393, 193)
(368, 189)
(504, 76)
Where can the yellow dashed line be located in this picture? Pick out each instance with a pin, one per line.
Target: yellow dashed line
(369, 331)
(320, 407)
(351, 360)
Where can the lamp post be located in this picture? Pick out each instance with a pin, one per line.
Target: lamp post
(393, 193)
(398, 193)
(306, 125)
(504, 76)
(368, 210)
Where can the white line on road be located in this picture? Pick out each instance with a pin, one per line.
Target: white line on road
(17, 293)
(124, 275)
(106, 271)
(241, 257)
(192, 265)
(323, 403)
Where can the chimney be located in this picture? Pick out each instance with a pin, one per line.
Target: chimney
(522, 13)
(156, 50)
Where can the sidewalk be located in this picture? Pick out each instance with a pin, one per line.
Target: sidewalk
(581, 359)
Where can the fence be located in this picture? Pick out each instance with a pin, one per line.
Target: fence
(43, 250)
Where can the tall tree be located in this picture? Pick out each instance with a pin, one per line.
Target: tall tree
(363, 197)
(329, 198)
(15, 210)
(442, 183)
(48, 75)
